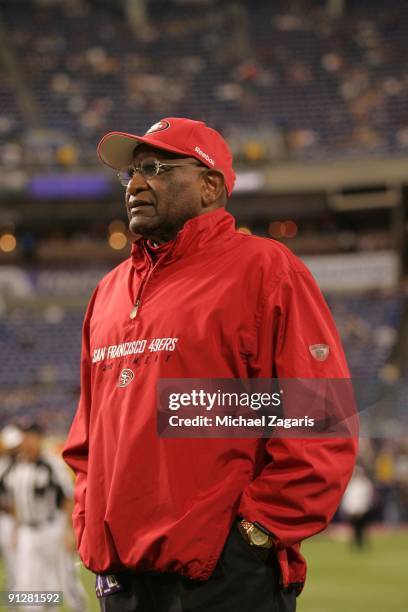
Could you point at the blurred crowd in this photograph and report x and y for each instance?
(385, 462)
(378, 490)
(289, 80)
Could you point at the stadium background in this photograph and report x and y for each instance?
(313, 99)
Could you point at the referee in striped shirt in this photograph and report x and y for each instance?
(41, 491)
(11, 438)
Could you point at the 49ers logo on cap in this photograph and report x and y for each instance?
(125, 377)
(158, 127)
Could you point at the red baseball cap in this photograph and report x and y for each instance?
(175, 134)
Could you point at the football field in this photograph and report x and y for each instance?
(344, 580)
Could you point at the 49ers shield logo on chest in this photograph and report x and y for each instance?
(125, 377)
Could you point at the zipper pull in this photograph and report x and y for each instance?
(134, 310)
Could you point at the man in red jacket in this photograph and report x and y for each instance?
(197, 525)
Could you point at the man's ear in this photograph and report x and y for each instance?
(213, 189)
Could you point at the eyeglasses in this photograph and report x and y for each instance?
(148, 168)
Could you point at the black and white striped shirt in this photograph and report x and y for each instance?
(37, 489)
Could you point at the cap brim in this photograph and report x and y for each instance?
(116, 149)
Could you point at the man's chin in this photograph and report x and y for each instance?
(143, 227)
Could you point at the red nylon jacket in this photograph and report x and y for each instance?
(216, 303)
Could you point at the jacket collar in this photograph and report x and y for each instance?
(196, 234)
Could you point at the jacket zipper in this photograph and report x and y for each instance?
(133, 312)
(137, 304)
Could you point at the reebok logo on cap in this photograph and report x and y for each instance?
(204, 155)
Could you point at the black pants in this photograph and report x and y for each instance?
(359, 525)
(242, 581)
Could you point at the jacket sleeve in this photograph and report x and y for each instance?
(300, 486)
(75, 451)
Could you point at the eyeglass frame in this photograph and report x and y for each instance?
(159, 167)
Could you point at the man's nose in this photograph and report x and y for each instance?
(137, 183)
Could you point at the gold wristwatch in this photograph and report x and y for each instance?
(254, 535)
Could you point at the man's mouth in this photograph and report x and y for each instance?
(135, 205)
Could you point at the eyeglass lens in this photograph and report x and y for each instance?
(148, 169)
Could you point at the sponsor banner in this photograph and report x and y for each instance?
(285, 408)
(355, 271)
(68, 186)
(17, 282)
(67, 282)
(249, 181)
